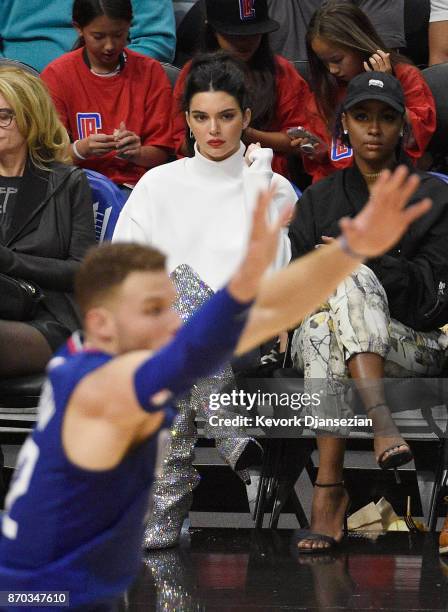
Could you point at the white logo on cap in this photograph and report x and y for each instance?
(376, 83)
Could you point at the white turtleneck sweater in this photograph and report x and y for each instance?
(198, 212)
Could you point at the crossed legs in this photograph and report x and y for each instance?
(351, 336)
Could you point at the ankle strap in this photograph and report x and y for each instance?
(382, 405)
(329, 484)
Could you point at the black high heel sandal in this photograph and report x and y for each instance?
(390, 460)
(312, 536)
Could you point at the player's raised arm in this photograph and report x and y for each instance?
(286, 297)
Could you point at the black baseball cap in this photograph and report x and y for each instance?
(240, 17)
(375, 86)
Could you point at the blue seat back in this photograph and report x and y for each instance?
(441, 176)
(296, 189)
(108, 201)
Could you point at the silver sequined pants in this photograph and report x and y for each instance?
(172, 491)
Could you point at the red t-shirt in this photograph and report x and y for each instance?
(140, 95)
(421, 112)
(291, 109)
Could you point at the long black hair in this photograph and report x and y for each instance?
(85, 11)
(344, 25)
(261, 76)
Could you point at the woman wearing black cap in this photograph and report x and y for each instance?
(279, 94)
(384, 319)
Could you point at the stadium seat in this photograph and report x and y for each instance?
(303, 68)
(181, 9)
(189, 31)
(441, 176)
(172, 72)
(108, 200)
(416, 21)
(437, 78)
(16, 64)
(296, 189)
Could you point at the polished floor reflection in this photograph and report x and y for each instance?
(245, 570)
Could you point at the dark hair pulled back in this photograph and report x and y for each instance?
(85, 11)
(218, 71)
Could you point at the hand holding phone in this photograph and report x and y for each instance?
(312, 145)
(128, 143)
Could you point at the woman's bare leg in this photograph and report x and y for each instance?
(329, 503)
(367, 370)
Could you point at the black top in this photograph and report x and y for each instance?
(414, 273)
(9, 187)
(51, 228)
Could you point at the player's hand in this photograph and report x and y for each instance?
(95, 145)
(127, 143)
(384, 219)
(380, 62)
(261, 249)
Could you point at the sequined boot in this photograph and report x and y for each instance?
(173, 488)
(174, 581)
(172, 493)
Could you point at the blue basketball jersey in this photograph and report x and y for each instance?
(70, 529)
(64, 524)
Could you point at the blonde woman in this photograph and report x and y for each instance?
(46, 220)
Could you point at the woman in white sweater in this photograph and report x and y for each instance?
(198, 211)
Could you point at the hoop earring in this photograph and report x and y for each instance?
(191, 134)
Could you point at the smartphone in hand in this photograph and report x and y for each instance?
(314, 145)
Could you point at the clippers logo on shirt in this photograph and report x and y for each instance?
(340, 151)
(247, 9)
(88, 124)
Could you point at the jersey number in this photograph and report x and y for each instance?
(28, 456)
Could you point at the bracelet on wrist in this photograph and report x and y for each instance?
(76, 152)
(343, 243)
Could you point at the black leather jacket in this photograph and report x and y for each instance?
(51, 229)
(414, 273)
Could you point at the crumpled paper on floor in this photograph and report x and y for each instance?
(376, 519)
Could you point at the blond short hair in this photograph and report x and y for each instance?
(35, 116)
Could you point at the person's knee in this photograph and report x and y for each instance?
(360, 287)
(314, 329)
(23, 349)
